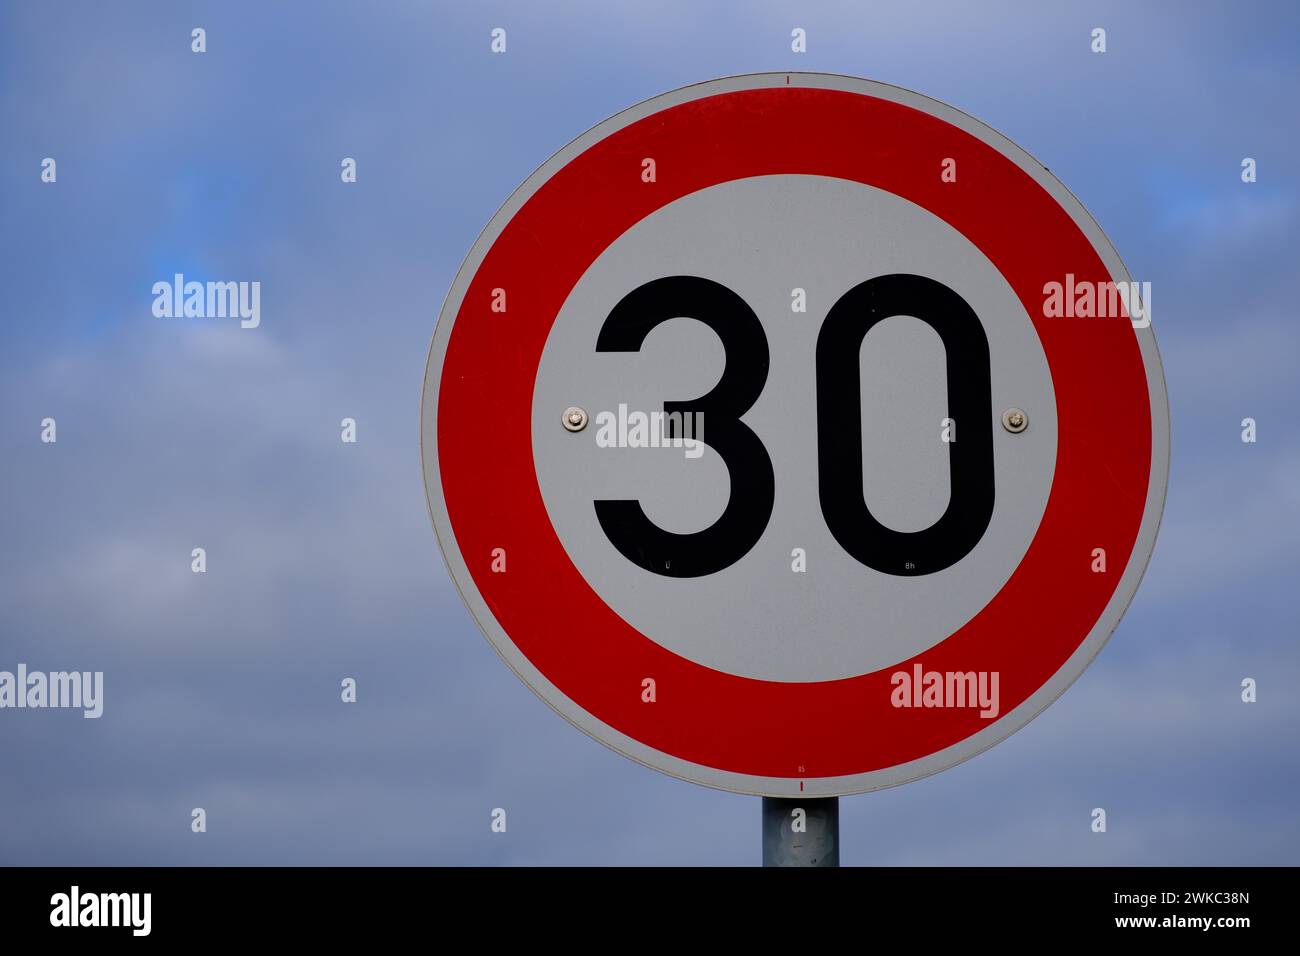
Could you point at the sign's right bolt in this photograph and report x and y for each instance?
(1015, 421)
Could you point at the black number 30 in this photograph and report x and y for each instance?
(839, 426)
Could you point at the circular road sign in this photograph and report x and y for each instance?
(795, 434)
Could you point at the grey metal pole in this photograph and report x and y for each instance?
(801, 832)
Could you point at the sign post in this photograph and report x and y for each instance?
(759, 445)
(801, 832)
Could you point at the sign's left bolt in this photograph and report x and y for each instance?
(575, 418)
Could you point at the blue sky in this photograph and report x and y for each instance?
(222, 689)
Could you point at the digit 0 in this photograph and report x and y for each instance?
(839, 425)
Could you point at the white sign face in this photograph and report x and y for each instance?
(756, 617)
(770, 460)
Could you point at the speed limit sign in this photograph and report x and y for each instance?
(795, 434)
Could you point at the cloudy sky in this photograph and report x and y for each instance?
(222, 688)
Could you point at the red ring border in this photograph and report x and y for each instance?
(708, 717)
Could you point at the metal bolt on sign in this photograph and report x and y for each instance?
(575, 418)
(1015, 420)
